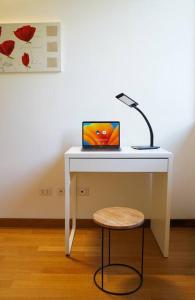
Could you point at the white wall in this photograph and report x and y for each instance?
(145, 48)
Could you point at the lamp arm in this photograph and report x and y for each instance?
(149, 126)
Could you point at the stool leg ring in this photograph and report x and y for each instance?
(139, 273)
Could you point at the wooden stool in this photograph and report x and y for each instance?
(118, 218)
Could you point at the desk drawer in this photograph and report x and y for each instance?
(118, 165)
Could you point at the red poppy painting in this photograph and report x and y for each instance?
(26, 60)
(25, 33)
(7, 47)
(30, 47)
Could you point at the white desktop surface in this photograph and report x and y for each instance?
(129, 160)
(126, 152)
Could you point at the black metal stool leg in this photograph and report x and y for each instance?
(109, 246)
(142, 259)
(102, 258)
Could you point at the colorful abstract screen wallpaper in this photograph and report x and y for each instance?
(101, 134)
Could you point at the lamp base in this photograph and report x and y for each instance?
(145, 147)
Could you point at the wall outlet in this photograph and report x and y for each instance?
(60, 191)
(45, 192)
(83, 191)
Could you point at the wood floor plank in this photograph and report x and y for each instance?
(33, 265)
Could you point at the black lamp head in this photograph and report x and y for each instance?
(126, 100)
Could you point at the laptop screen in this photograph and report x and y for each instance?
(101, 134)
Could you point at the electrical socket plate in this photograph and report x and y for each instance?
(60, 191)
(45, 191)
(83, 191)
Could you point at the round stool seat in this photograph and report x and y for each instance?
(118, 218)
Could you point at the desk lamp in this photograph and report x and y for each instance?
(131, 103)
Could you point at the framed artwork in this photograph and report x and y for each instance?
(30, 47)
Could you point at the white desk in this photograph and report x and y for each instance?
(158, 162)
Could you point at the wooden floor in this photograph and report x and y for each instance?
(33, 265)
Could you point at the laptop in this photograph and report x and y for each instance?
(100, 135)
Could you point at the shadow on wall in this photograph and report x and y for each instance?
(23, 196)
(184, 178)
(114, 189)
(21, 185)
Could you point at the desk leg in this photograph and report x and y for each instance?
(67, 207)
(160, 219)
(70, 205)
(73, 197)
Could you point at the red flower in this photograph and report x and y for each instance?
(7, 47)
(25, 59)
(25, 33)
